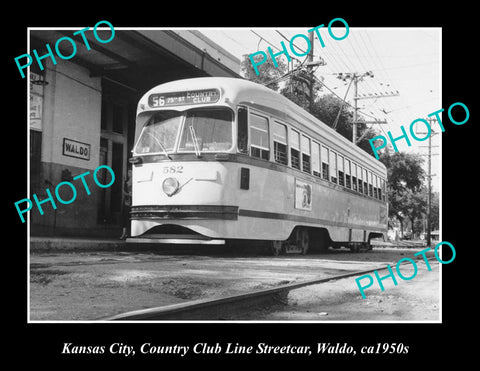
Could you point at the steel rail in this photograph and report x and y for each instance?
(198, 308)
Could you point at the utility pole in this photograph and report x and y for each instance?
(310, 70)
(356, 77)
(429, 207)
(355, 114)
(430, 175)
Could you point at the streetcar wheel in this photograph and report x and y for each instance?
(276, 247)
(365, 247)
(355, 248)
(303, 240)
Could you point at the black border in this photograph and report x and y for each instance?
(431, 344)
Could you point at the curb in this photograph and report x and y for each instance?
(46, 244)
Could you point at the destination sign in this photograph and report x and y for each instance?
(184, 97)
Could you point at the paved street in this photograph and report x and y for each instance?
(89, 286)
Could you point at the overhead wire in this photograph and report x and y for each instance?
(336, 63)
(371, 88)
(323, 83)
(379, 62)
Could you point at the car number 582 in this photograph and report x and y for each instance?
(173, 169)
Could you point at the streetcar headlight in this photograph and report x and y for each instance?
(170, 186)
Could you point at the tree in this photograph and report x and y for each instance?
(421, 224)
(267, 71)
(297, 89)
(327, 107)
(415, 206)
(435, 211)
(405, 179)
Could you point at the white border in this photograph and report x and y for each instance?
(29, 29)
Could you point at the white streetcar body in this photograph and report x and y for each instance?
(244, 162)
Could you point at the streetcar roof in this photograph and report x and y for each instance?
(235, 91)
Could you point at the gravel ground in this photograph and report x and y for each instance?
(414, 300)
(89, 286)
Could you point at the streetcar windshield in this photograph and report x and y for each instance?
(160, 133)
(203, 130)
(207, 131)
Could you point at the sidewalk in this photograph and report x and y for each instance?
(68, 244)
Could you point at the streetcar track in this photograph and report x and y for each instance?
(203, 309)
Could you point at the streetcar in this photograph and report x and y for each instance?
(225, 160)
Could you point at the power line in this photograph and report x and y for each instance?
(347, 66)
(296, 47)
(272, 45)
(348, 104)
(322, 83)
(378, 61)
(262, 38)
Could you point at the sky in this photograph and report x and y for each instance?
(407, 60)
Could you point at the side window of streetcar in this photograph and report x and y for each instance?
(341, 173)
(242, 137)
(370, 184)
(306, 166)
(333, 167)
(379, 189)
(360, 179)
(259, 145)
(316, 159)
(279, 133)
(365, 182)
(325, 163)
(295, 149)
(354, 176)
(384, 191)
(347, 174)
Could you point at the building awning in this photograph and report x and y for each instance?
(142, 58)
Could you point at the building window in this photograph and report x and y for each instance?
(36, 99)
(295, 149)
(325, 163)
(260, 146)
(279, 132)
(306, 166)
(316, 159)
